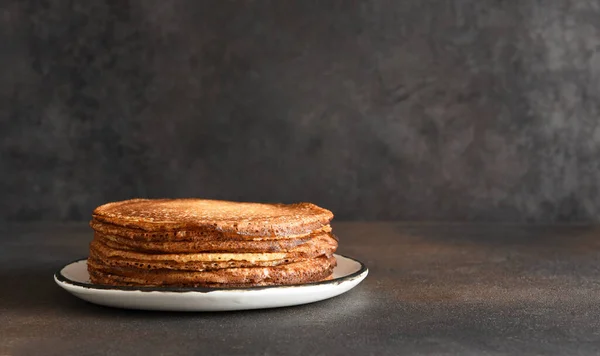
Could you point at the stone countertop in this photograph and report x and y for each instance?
(432, 289)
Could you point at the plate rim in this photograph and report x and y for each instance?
(59, 277)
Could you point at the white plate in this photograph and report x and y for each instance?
(75, 279)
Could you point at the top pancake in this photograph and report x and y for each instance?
(256, 219)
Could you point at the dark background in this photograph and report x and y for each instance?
(416, 109)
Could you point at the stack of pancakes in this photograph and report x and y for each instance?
(209, 243)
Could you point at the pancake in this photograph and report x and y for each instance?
(256, 219)
(310, 270)
(195, 242)
(111, 256)
(200, 246)
(118, 242)
(190, 235)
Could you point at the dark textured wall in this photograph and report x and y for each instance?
(416, 109)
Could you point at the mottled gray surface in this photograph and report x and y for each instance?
(481, 110)
(431, 290)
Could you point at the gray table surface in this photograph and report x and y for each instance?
(433, 289)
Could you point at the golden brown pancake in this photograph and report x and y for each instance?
(195, 242)
(190, 235)
(256, 219)
(323, 245)
(309, 270)
(207, 245)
